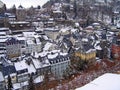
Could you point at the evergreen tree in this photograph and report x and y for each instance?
(10, 86)
(75, 9)
(4, 7)
(31, 10)
(38, 7)
(81, 65)
(14, 9)
(31, 83)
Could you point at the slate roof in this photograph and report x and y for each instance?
(68, 42)
(6, 70)
(58, 59)
(12, 40)
(87, 47)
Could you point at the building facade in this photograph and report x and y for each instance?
(59, 64)
(13, 47)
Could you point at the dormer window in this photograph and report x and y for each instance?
(13, 25)
(28, 24)
(21, 25)
(52, 62)
(68, 58)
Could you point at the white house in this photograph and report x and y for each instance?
(59, 62)
(22, 71)
(13, 47)
(41, 64)
(33, 42)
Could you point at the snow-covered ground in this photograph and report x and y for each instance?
(107, 81)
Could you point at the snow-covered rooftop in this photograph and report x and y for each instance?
(107, 81)
(21, 65)
(20, 22)
(64, 29)
(57, 11)
(98, 47)
(2, 33)
(90, 50)
(73, 30)
(30, 42)
(95, 24)
(45, 37)
(4, 29)
(31, 68)
(38, 79)
(39, 64)
(51, 56)
(1, 77)
(29, 34)
(3, 40)
(18, 86)
(63, 54)
(21, 38)
(85, 40)
(47, 46)
(42, 54)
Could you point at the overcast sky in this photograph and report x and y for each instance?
(24, 3)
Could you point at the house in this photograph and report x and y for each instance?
(21, 13)
(86, 52)
(6, 30)
(58, 62)
(49, 23)
(22, 71)
(64, 31)
(99, 51)
(41, 63)
(22, 41)
(30, 46)
(97, 26)
(21, 86)
(65, 43)
(2, 82)
(33, 42)
(39, 42)
(11, 17)
(28, 63)
(13, 47)
(8, 69)
(52, 33)
(116, 47)
(19, 26)
(2, 16)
